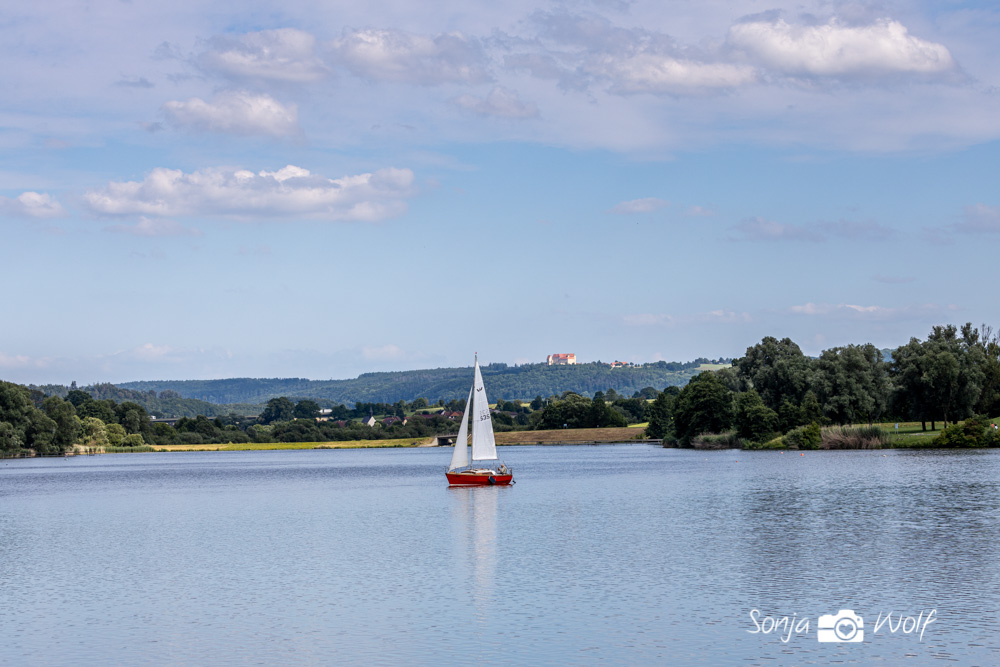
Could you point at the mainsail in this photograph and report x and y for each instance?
(484, 447)
(460, 457)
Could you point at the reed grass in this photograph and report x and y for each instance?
(855, 437)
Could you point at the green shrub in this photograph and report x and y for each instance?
(973, 432)
(804, 437)
(773, 443)
(728, 440)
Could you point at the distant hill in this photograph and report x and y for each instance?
(166, 404)
(507, 382)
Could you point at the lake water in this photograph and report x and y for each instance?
(625, 554)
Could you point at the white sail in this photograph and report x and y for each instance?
(460, 457)
(484, 447)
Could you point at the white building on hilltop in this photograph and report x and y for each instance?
(561, 359)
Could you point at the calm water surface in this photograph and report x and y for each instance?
(615, 554)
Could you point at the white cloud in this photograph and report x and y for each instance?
(695, 211)
(580, 49)
(235, 112)
(291, 191)
(761, 229)
(285, 54)
(837, 49)
(382, 353)
(980, 219)
(32, 205)
(645, 205)
(150, 351)
(394, 55)
(827, 308)
(21, 361)
(154, 227)
(501, 102)
(880, 313)
(719, 316)
(664, 74)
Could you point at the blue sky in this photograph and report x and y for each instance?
(279, 189)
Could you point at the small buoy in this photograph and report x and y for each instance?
(492, 480)
(802, 454)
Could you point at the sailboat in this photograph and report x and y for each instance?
(483, 469)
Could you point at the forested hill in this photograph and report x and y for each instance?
(503, 381)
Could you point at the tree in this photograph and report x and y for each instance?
(77, 397)
(705, 405)
(40, 434)
(913, 391)
(67, 424)
(753, 420)
(133, 440)
(852, 383)
(940, 378)
(660, 416)
(131, 416)
(989, 397)
(102, 409)
(537, 403)
(116, 434)
(776, 369)
(15, 409)
(10, 439)
(277, 410)
(570, 411)
(95, 433)
(306, 409)
(603, 415)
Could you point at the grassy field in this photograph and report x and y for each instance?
(712, 367)
(563, 436)
(910, 435)
(568, 436)
(256, 446)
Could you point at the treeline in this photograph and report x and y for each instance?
(776, 391)
(508, 382)
(284, 421)
(30, 421)
(166, 403)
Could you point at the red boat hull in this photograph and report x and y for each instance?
(478, 479)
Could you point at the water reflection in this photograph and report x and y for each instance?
(615, 555)
(474, 531)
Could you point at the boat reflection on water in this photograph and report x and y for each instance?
(474, 530)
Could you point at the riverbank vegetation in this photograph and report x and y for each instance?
(772, 397)
(776, 397)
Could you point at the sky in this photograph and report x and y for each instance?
(195, 190)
